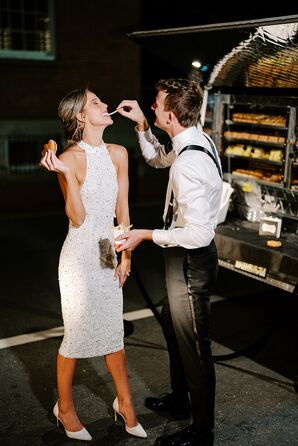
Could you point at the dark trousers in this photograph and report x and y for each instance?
(190, 277)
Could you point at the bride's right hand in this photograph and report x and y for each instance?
(50, 161)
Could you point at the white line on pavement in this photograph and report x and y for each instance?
(58, 331)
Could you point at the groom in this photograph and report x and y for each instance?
(191, 264)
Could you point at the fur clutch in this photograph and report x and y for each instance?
(108, 257)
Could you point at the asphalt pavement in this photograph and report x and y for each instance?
(256, 402)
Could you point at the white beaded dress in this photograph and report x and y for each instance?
(91, 300)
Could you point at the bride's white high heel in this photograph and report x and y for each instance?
(83, 434)
(137, 430)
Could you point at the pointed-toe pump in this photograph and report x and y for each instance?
(83, 434)
(137, 430)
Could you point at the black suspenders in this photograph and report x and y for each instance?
(169, 215)
(202, 149)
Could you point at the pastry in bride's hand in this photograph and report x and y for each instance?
(51, 145)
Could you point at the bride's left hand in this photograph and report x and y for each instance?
(123, 271)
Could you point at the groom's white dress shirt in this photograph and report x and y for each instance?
(196, 184)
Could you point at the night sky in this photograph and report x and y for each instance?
(160, 15)
(157, 14)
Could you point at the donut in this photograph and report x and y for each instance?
(274, 243)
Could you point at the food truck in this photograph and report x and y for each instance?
(249, 74)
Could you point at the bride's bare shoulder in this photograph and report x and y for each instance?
(117, 150)
(72, 154)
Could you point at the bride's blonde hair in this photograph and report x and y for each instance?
(68, 109)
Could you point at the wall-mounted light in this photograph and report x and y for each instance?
(196, 64)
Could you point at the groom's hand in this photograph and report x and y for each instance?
(131, 109)
(133, 239)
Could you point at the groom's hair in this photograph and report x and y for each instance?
(184, 99)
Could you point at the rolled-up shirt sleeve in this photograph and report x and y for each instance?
(191, 196)
(153, 152)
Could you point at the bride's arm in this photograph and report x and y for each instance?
(120, 159)
(64, 166)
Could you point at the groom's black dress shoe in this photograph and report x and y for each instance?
(166, 405)
(187, 437)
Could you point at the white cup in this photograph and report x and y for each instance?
(118, 232)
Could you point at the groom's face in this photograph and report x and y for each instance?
(160, 114)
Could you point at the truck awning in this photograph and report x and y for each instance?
(255, 53)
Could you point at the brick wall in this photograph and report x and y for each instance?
(91, 48)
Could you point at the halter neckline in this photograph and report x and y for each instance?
(85, 146)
